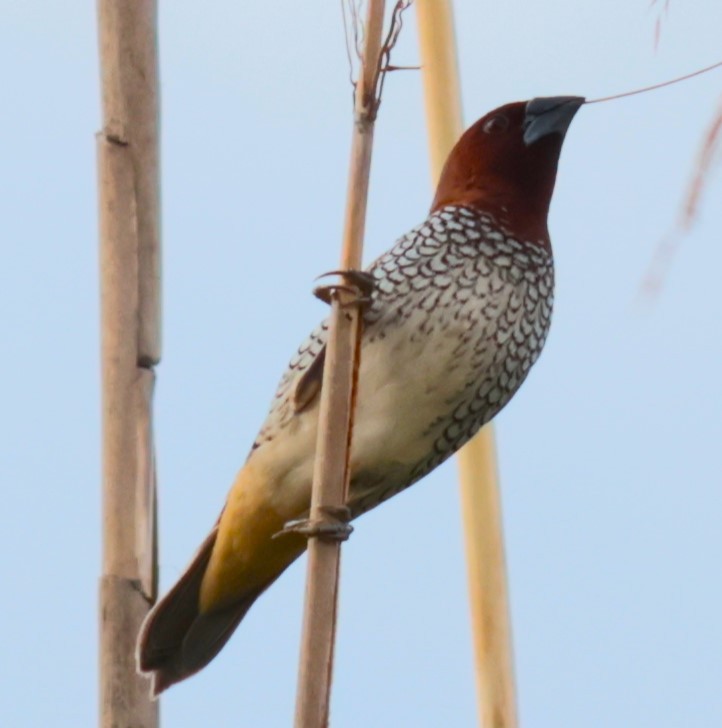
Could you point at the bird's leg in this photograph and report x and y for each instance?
(337, 529)
(361, 287)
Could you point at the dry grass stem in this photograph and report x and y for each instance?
(330, 479)
(480, 497)
(130, 320)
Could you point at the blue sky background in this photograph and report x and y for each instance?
(610, 456)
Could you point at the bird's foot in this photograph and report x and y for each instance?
(336, 529)
(357, 283)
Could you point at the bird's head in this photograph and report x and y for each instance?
(506, 163)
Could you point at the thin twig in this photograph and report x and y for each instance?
(656, 86)
(397, 23)
(705, 160)
(347, 41)
(662, 13)
(384, 66)
(668, 245)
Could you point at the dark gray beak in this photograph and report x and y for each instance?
(549, 115)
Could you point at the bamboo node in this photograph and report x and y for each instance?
(115, 133)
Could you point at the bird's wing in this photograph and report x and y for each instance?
(300, 385)
(308, 384)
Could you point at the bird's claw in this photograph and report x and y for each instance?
(363, 280)
(328, 293)
(338, 529)
(358, 284)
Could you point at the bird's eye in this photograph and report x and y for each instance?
(496, 124)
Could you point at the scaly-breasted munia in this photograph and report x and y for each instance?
(458, 313)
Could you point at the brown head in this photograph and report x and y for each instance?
(506, 164)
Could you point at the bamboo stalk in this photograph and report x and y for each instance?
(480, 499)
(128, 197)
(486, 566)
(330, 478)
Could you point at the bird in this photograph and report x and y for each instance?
(457, 312)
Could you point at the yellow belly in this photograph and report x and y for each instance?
(246, 557)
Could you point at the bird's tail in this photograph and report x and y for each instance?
(176, 640)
